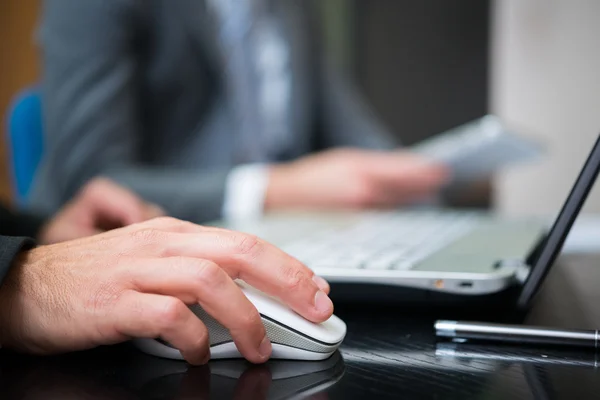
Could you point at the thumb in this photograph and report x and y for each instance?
(409, 169)
(153, 211)
(109, 201)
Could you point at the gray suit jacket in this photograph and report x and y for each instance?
(132, 91)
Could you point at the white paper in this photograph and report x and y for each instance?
(478, 149)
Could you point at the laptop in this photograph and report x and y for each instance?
(426, 250)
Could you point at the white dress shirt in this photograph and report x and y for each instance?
(245, 192)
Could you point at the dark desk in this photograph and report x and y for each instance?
(389, 353)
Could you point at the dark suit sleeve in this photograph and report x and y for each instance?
(13, 224)
(93, 115)
(21, 228)
(10, 247)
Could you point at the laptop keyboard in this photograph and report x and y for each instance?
(383, 241)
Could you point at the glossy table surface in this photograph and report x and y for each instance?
(389, 353)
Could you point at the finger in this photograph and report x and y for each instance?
(203, 282)
(142, 315)
(168, 224)
(407, 169)
(406, 185)
(256, 262)
(114, 203)
(242, 256)
(146, 237)
(417, 180)
(152, 211)
(393, 196)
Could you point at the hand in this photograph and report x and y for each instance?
(100, 206)
(138, 282)
(353, 179)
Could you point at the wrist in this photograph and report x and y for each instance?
(279, 193)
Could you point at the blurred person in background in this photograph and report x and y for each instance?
(212, 109)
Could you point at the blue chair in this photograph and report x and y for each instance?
(25, 141)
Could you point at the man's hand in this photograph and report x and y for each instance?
(138, 281)
(100, 206)
(353, 179)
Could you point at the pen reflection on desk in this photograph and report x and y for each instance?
(516, 355)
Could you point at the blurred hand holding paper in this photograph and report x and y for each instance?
(478, 149)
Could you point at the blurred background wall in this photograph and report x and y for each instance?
(423, 64)
(18, 66)
(546, 79)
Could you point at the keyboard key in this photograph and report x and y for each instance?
(383, 261)
(403, 265)
(396, 240)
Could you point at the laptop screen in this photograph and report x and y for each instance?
(545, 255)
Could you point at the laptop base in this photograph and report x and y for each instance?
(357, 294)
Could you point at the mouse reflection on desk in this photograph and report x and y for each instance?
(239, 379)
(96, 376)
(292, 336)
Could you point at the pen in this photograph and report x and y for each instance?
(516, 333)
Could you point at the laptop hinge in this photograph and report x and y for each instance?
(522, 269)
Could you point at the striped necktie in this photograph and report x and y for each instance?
(257, 78)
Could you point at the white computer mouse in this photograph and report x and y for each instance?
(292, 336)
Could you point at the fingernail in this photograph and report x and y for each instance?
(321, 283)
(202, 360)
(265, 347)
(323, 303)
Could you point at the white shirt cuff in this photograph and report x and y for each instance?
(245, 192)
